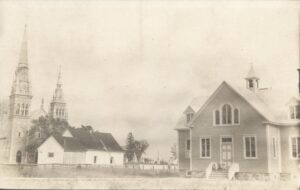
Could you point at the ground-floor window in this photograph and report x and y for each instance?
(50, 154)
(295, 147)
(250, 148)
(95, 159)
(204, 147)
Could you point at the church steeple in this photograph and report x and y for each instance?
(23, 60)
(19, 106)
(58, 104)
(252, 80)
(21, 83)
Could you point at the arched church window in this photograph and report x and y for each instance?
(236, 116)
(26, 109)
(18, 109)
(217, 117)
(22, 109)
(226, 114)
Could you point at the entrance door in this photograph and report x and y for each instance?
(226, 152)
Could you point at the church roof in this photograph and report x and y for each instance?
(83, 139)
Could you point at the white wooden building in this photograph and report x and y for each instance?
(80, 146)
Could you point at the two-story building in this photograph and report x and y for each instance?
(249, 130)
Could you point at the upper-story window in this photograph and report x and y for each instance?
(26, 110)
(18, 109)
(295, 112)
(189, 117)
(226, 115)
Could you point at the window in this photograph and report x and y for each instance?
(226, 114)
(111, 160)
(250, 147)
(251, 84)
(188, 144)
(295, 147)
(189, 117)
(274, 147)
(217, 117)
(227, 139)
(50, 154)
(236, 116)
(204, 147)
(294, 111)
(95, 159)
(22, 110)
(62, 112)
(187, 148)
(18, 109)
(56, 112)
(19, 134)
(26, 110)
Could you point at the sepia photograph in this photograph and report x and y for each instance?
(150, 94)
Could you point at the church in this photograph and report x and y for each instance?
(240, 132)
(72, 146)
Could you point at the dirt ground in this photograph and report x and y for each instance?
(143, 183)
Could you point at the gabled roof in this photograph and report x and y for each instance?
(195, 104)
(245, 94)
(189, 110)
(264, 102)
(84, 140)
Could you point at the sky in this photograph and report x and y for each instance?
(134, 66)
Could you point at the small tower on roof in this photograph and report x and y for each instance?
(189, 112)
(58, 106)
(252, 80)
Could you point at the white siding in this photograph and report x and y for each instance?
(118, 158)
(50, 146)
(104, 157)
(74, 158)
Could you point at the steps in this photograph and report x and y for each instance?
(219, 174)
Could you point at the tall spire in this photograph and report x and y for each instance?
(21, 82)
(23, 61)
(59, 83)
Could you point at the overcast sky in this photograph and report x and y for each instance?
(135, 66)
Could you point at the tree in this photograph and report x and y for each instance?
(40, 130)
(130, 147)
(140, 148)
(174, 152)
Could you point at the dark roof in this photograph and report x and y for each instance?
(84, 139)
(108, 141)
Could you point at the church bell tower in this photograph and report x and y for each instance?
(19, 107)
(58, 106)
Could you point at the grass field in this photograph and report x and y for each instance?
(29, 177)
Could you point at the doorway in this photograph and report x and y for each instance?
(226, 152)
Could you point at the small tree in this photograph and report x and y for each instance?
(140, 148)
(130, 147)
